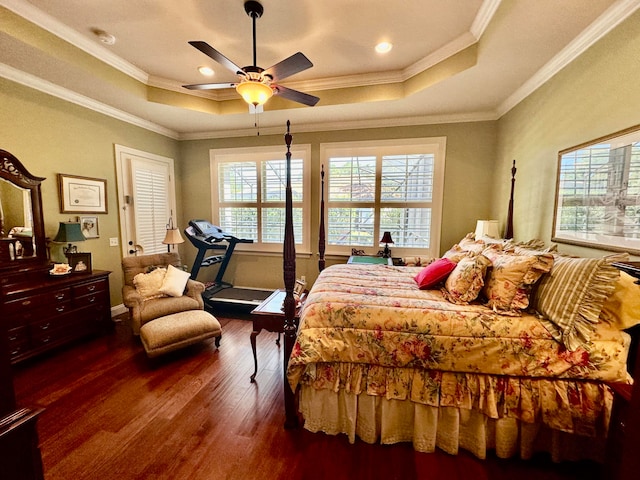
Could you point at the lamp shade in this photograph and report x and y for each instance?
(254, 92)
(487, 228)
(386, 238)
(69, 232)
(173, 237)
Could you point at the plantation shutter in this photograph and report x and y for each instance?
(151, 204)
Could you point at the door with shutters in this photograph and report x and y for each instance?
(146, 195)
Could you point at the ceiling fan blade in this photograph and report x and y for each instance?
(211, 52)
(210, 86)
(289, 66)
(295, 95)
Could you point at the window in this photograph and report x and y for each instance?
(249, 195)
(374, 187)
(598, 193)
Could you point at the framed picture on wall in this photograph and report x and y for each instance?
(89, 226)
(82, 194)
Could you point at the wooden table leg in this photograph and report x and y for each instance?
(254, 334)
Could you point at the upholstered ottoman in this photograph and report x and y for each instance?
(178, 330)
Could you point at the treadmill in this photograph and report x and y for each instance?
(205, 237)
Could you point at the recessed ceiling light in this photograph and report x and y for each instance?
(206, 71)
(104, 37)
(384, 47)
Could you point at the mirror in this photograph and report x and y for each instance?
(22, 239)
(598, 193)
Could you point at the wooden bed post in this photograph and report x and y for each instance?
(321, 239)
(289, 268)
(509, 230)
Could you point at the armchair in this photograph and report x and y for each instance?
(142, 310)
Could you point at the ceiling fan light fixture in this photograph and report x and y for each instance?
(254, 93)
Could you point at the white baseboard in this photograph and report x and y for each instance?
(118, 310)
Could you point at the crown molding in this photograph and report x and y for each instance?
(45, 21)
(348, 125)
(483, 18)
(611, 18)
(49, 88)
(57, 28)
(65, 94)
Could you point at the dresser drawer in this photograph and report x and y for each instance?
(18, 341)
(90, 288)
(50, 298)
(51, 330)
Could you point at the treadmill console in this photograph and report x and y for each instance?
(205, 231)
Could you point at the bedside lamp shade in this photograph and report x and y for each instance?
(386, 239)
(69, 232)
(487, 228)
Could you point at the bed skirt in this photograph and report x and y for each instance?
(376, 419)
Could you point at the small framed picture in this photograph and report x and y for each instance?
(89, 226)
(80, 262)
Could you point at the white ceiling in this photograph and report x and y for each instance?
(510, 48)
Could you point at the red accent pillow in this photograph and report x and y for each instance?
(434, 273)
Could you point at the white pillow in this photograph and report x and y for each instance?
(148, 284)
(174, 282)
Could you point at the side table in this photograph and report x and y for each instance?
(270, 317)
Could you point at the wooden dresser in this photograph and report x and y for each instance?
(41, 312)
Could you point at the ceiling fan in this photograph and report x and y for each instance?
(256, 84)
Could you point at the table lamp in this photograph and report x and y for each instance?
(487, 228)
(69, 232)
(386, 239)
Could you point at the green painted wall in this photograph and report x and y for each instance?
(468, 178)
(596, 95)
(51, 136)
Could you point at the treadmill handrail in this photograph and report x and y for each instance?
(211, 240)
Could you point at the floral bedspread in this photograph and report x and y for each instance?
(368, 328)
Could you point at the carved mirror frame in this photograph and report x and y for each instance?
(13, 171)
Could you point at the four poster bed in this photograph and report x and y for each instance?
(495, 346)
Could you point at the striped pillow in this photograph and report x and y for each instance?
(571, 296)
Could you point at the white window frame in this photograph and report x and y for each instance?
(260, 154)
(433, 145)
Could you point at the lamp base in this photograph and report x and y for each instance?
(70, 249)
(386, 253)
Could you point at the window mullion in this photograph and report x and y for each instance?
(376, 201)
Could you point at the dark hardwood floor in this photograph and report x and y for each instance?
(111, 413)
